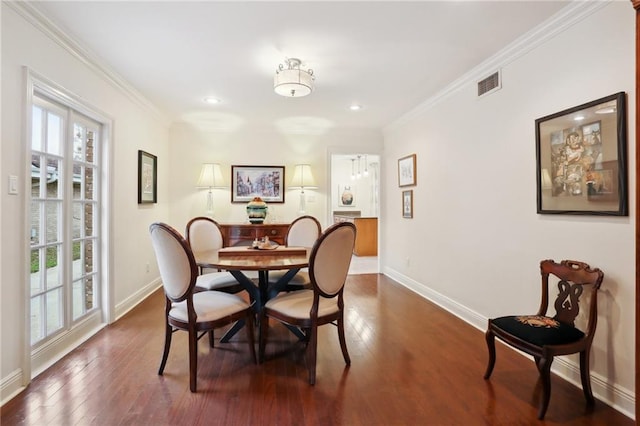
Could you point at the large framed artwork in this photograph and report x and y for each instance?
(582, 159)
(266, 182)
(147, 178)
(407, 170)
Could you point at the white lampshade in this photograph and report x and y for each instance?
(303, 177)
(210, 176)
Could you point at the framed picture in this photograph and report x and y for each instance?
(147, 178)
(266, 182)
(346, 195)
(407, 170)
(407, 204)
(582, 159)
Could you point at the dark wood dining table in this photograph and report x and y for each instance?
(238, 260)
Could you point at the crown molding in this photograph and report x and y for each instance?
(558, 23)
(36, 18)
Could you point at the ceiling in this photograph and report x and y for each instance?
(386, 56)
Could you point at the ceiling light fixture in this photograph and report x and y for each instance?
(211, 100)
(355, 107)
(291, 80)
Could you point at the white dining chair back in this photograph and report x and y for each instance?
(303, 232)
(204, 234)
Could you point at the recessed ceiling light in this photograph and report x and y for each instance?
(355, 107)
(212, 100)
(579, 117)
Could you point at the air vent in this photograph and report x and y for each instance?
(489, 84)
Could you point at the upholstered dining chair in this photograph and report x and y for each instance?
(303, 232)
(545, 337)
(324, 303)
(197, 313)
(204, 234)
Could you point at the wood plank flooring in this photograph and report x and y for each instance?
(412, 364)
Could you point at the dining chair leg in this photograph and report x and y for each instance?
(193, 359)
(211, 339)
(491, 346)
(312, 349)
(585, 377)
(167, 345)
(343, 341)
(545, 374)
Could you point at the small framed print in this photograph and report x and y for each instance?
(407, 204)
(407, 170)
(147, 178)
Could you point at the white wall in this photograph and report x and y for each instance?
(135, 128)
(193, 145)
(475, 242)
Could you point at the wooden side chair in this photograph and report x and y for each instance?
(203, 234)
(545, 337)
(323, 304)
(303, 232)
(197, 313)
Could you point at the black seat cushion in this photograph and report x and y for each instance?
(539, 330)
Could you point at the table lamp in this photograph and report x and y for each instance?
(302, 179)
(210, 177)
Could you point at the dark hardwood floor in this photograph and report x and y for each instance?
(412, 364)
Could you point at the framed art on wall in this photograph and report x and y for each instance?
(581, 159)
(407, 170)
(407, 204)
(266, 182)
(346, 195)
(147, 178)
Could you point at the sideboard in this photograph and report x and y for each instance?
(235, 234)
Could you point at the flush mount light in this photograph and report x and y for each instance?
(291, 80)
(355, 107)
(212, 100)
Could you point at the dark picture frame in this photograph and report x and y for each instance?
(407, 204)
(266, 182)
(147, 178)
(581, 159)
(407, 170)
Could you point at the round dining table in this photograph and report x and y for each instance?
(238, 260)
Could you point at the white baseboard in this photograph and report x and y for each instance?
(11, 386)
(617, 397)
(137, 297)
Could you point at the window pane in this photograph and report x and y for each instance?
(89, 219)
(78, 142)
(37, 313)
(76, 226)
(36, 176)
(54, 133)
(54, 310)
(88, 183)
(88, 293)
(36, 128)
(54, 186)
(36, 276)
(77, 302)
(77, 262)
(53, 221)
(77, 181)
(36, 211)
(91, 136)
(88, 256)
(54, 270)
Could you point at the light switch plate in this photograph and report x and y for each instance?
(13, 185)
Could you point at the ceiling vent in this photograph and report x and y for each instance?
(489, 84)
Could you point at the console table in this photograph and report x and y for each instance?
(242, 234)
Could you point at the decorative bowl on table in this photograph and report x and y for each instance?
(257, 210)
